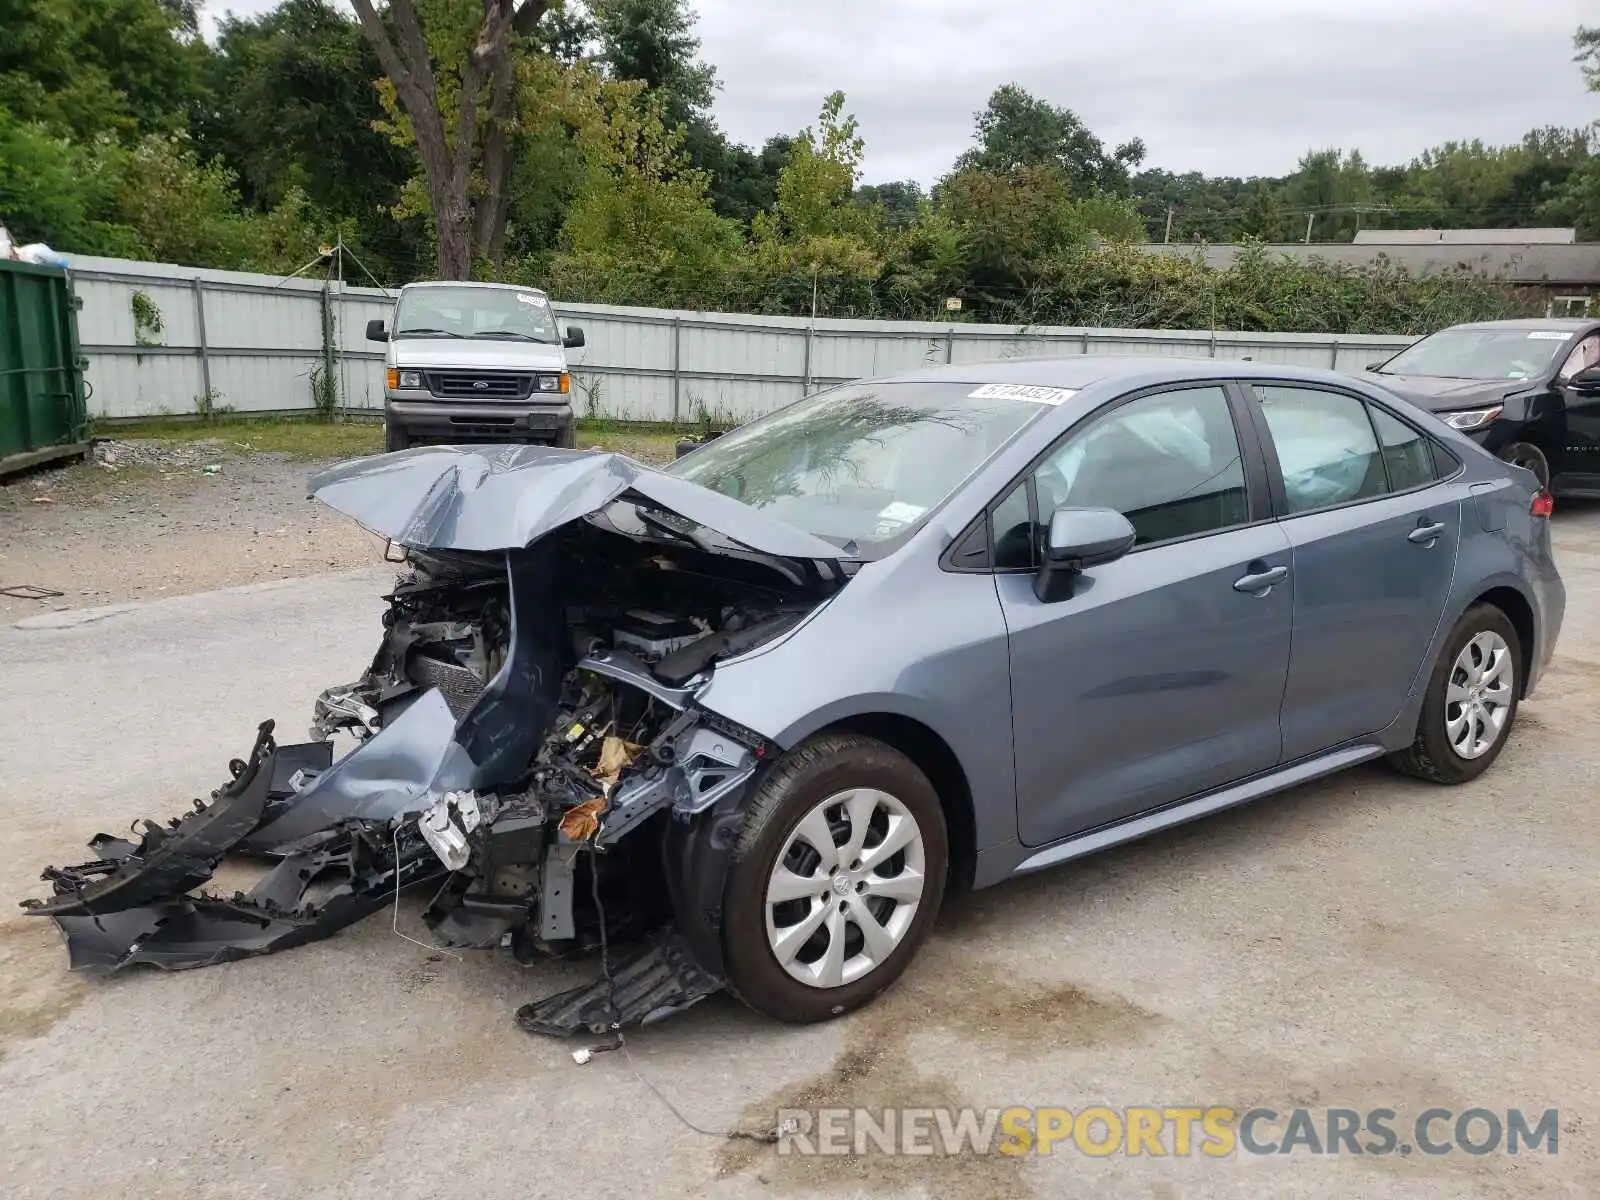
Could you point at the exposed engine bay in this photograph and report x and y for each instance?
(525, 748)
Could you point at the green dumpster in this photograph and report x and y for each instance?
(42, 411)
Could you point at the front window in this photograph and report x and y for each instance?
(863, 464)
(1584, 355)
(1169, 462)
(1480, 354)
(504, 314)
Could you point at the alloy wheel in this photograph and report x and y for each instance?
(1478, 695)
(845, 888)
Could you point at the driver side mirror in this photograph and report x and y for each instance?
(1079, 538)
(376, 332)
(573, 339)
(1586, 380)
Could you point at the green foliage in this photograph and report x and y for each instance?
(85, 68)
(642, 214)
(147, 323)
(304, 72)
(185, 210)
(123, 133)
(1122, 286)
(1017, 130)
(63, 192)
(1587, 44)
(815, 224)
(324, 393)
(653, 42)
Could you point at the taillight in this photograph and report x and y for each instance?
(1543, 504)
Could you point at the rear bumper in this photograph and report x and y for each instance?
(458, 419)
(1550, 597)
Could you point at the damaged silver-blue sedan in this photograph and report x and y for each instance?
(739, 722)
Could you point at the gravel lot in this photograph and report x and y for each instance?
(151, 522)
(1363, 941)
(145, 519)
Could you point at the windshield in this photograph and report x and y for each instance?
(863, 464)
(505, 314)
(1480, 354)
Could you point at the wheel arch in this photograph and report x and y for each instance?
(935, 759)
(1520, 613)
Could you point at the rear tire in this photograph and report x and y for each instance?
(1529, 456)
(885, 828)
(395, 437)
(1471, 703)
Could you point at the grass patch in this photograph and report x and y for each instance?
(305, 439)
(296, 438)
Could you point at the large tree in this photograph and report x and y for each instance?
(305, 71)
(1016, 129)
(120, 67)
(457, 90)
(653, 41)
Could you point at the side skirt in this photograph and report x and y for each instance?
(1095, 840)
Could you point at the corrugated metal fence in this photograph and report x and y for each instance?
(163, 339)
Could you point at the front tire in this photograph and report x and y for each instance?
(837, 878)
(1471, 703)
(1529, 457)
(395, 437)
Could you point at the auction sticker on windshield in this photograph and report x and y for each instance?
(1022, 391)
(1549, 335)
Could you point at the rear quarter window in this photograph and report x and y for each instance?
(1407, 454)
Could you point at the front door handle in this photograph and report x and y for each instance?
(1424, 535)
(1261, 580)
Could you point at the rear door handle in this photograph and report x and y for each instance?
(1261, 580)
(1423, 534)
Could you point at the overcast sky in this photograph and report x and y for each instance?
(1237, 87)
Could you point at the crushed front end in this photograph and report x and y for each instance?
(526, 742)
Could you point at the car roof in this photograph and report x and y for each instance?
(1081, 371)
(469, 283)
(1568, 324)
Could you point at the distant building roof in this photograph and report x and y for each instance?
(1536, 264)
(1467, 237)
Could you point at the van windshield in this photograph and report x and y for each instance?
(505, 314)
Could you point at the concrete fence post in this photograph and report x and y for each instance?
(677, 364)
(200, 332)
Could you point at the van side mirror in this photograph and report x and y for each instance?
(574, 337)
(1079, 538)
(376, 332)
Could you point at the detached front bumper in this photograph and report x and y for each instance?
(518, 420)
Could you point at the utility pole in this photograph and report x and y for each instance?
(1167, 237)
(1310, 218)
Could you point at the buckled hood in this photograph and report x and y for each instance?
(507, 497)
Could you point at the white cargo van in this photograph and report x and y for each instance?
(473, 362)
